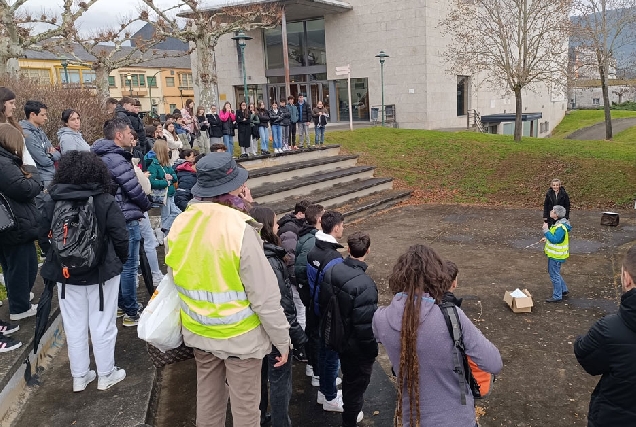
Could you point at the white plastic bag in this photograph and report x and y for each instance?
(160, 322)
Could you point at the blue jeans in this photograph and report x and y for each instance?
(127, 286)
(169, 212)
(329, 366)
(150, 245)
(320, 136)
(280, 389)
(263, 132)
(277, 136)
(558, 284)
(228, 140)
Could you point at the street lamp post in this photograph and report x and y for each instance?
(129, 78)
(382, 57)
(65, 66)
(241, 37)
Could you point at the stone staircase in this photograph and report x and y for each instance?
(321, 176)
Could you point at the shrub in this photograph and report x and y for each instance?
(57, 99)
(626, 106)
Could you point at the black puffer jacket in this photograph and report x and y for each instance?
(358, 301)
(111, 224)
(20, 192)
(263, 116)
(128, 192)
(288, 228)
(187, 177)
(552, 200)
(609, 349)
(275, 255)
(306, 242)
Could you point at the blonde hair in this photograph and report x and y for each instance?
(163, 153)
(11, 139)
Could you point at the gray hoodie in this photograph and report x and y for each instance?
(440, 402)
(71, 140)
(38, 145)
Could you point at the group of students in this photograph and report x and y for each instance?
(278, 124)
(253, 287)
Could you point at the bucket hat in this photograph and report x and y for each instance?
(218, 173)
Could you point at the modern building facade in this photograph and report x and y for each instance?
(419, 92)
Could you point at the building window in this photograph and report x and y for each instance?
(462, 95)
(596, 101)
(170, 82)
(305, 44)
(152, 81)
(359, 99)
(73, 76)
(186, 81)
(172, 107)
(41, 75)
(88, 78)
(136, 80)
(111, 81)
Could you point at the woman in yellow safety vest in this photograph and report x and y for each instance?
(557, 249)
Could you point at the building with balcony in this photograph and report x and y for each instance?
(324, 34)
(161, 83)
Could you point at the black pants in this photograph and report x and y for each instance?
(356, 375)
(292, 135)
(312, 347)
(20, 268)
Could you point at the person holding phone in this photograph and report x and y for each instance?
(228, 119)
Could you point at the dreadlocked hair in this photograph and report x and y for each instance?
(417, 272)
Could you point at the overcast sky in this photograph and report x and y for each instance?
(105, 13)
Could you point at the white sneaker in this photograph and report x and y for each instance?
(31, 296)
(360, 417)
(107, 381)
(30, 312)
(334, 405)
(338, 381)
(80, 383)
(309, 371)
(315, 381)
(321, 397)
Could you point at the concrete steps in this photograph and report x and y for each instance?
(320, 176)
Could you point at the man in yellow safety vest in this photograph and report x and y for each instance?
(230, 300)
(557, 248)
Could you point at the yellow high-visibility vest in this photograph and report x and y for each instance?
(558, 250)
(204, 248)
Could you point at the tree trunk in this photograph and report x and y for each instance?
(206, 78)
(606, 102)
(101, 80)
(518, 113)
(10, 51)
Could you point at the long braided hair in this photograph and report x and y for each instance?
(417, 272)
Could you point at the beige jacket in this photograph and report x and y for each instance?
(261, 287)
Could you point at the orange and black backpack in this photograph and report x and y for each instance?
(469, 374)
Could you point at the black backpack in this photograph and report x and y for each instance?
(75, 238)
(332, 326)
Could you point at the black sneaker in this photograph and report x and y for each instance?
(264, 153)
(551, 300)
(266, 419)
(8, 344)
(565, 294)
(7, 328)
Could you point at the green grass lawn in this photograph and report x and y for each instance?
(578, 119)
(468, 167)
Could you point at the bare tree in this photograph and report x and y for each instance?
(515, 44)
(110, 49)
(18, 29)
(204, 28)
(602, 27)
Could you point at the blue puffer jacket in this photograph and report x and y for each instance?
(131, 198)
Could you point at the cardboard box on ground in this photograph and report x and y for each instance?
(518, 303)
